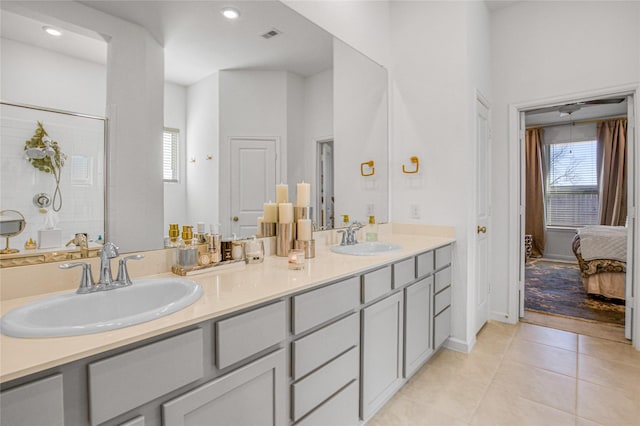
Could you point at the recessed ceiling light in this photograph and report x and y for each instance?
(52, 31)
(230, 13)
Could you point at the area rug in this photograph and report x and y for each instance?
(555, 287)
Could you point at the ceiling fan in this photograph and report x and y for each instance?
(575, 106)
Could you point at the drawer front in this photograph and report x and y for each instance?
(128, 380)
(443, 256)
(312, 351)
(138, 421)
(441, 327)
(443, 279)
(313, 390)
(246, 334)
(36, 403)
(442, 300)
(404, 272)
(315, 307)
(340, 410)
(376, 284)
(425, 264)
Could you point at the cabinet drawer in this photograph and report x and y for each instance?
(443, 256)
(404, 272)
(425, 264)
(319, 386)
(321, 305)
(442, 300)
(138, 421)
(340, 410)
(126, 381)
(36, 403)
(443, 279)
(312, 351)
(376, 284)
(441, 327)
(246, 334)
(251, 395)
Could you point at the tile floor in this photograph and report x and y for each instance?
(523, 375)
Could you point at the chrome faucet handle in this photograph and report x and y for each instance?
(344, 237)
(123, 273)
(86, 280)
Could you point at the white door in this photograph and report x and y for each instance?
(631, 219)
(254, 166)
(483, 212)
(521, 203)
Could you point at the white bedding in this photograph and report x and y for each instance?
(603, 242)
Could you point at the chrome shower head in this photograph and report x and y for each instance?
(35, 153)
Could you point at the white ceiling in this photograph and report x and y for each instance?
(198, 40)
(586, 112)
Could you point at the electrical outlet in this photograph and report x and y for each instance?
(415, 211)
(370, 210)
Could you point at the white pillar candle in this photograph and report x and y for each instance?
(282, 193)
(285, 213)
(270, 212)
(304, 194)
(304, 230)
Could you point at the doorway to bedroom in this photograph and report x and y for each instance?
(575, 185)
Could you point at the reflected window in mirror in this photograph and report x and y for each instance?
(170, 157)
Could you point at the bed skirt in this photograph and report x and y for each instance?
(607, 284)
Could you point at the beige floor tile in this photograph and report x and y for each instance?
(501, 407)
(575, 325)
(585, 422)
(610, 373)
(543, 356)
(606, 349)
(606, 405)
(543, 386)
(475, 365)
(405, 412)
(548, 336)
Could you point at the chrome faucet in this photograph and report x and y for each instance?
(106, 281)
(108, 252)
(349, 236)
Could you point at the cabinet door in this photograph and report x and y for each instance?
(382, 325)
(252, 395)
(417, 337)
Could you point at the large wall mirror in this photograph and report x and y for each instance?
(267, 96)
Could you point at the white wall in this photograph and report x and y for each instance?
(252, 103)
(545, 50)
(203, 129)
(318, 121)
(439, 59)
(175, 117)
(35, 76)
(295, 133)
(363, 24)
(360, 122)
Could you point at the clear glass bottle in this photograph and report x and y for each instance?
(372, 229)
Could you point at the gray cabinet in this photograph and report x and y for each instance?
(251, 395)
(417, 339)
(382, 336)
(36, 403)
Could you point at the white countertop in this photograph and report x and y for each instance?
(224, 292)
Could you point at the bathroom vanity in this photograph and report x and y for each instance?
(328, 345)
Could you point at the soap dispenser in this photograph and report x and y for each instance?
(187, 252)
(372, 229)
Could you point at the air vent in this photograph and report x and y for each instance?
(272, 33)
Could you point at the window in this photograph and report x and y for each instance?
(170, 155)
(572, 184)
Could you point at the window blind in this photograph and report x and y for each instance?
(170, 155)
(572, 197)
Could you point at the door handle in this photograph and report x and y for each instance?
(235, 218)
(482, 229)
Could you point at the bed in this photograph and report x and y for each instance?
(601, 252)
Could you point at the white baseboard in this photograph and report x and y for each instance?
(459, 345)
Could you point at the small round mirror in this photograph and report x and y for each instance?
(12, 223)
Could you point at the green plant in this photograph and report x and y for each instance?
(51, 162)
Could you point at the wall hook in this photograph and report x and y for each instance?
(193, 160)
(209, 157)
(415, 161)
(369, 163)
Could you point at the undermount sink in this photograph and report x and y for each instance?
(74, 314)
(369, 248)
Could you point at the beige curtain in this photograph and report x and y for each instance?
(612, 144)
(534, 216)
